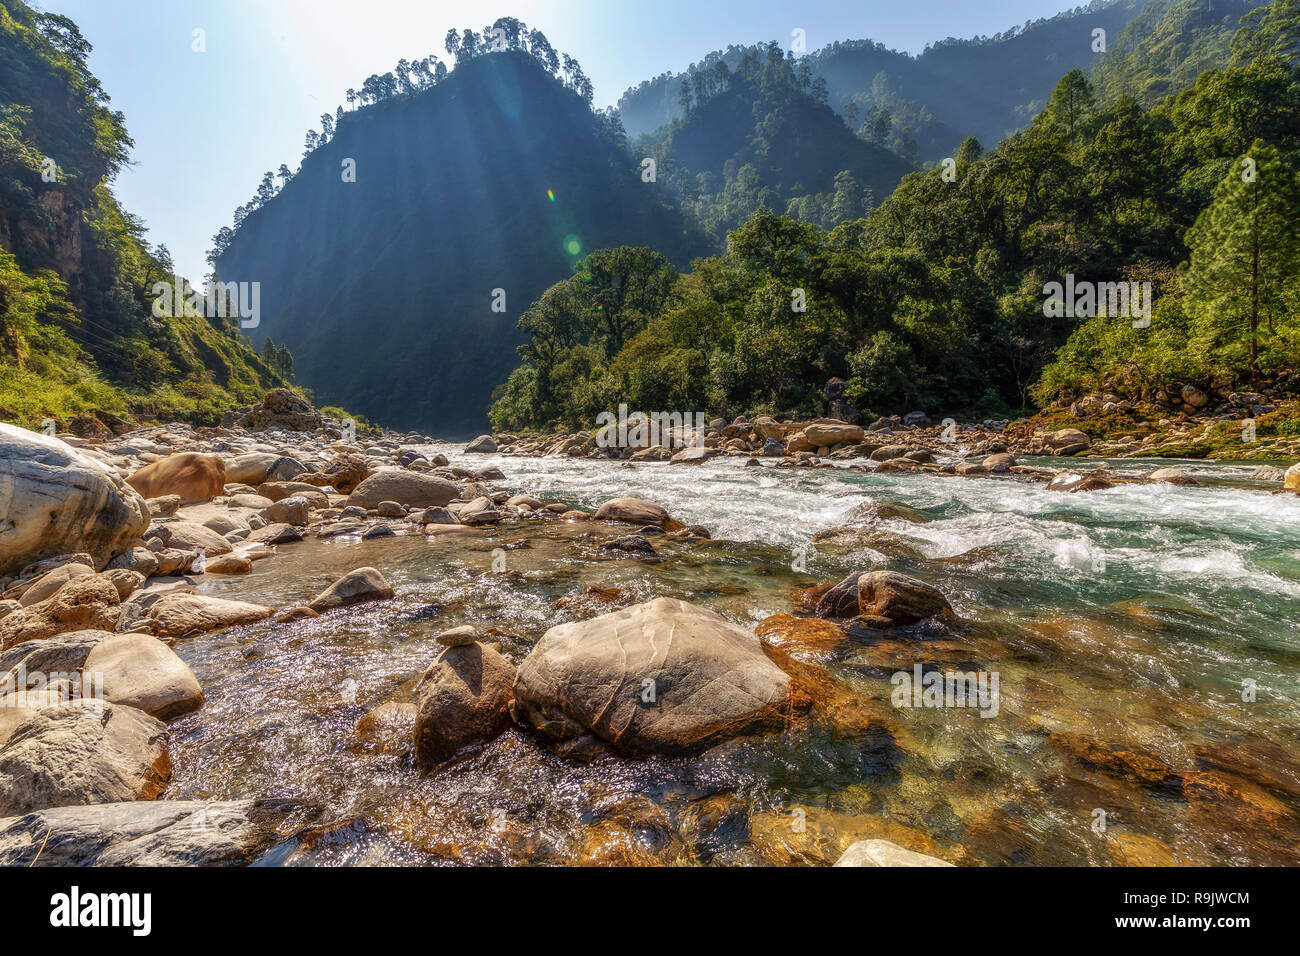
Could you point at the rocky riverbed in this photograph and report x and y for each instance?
(266, 643)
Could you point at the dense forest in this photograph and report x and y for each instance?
(77, 333)
(936, 299)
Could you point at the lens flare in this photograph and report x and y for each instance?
(551, 194)
(572, 245)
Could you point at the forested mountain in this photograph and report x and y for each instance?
(76, 274)
(987, 87)
(398, 288)
(938, 298)
(763, 136)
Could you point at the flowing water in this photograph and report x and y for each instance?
(1143, 640)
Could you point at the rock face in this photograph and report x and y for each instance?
(193, 476)
(462, 699)
(355, 587)
(902, 599)
(86, 603)
(81, 753)
(142, 672)
(636, 511)
(404, 487)
(659, 677)
(884, 853)
(55, 500)
(160, 833)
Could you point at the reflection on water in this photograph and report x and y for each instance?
(1123, 626)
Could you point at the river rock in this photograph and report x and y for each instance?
(461, 636)
(355, 587)
(405, 487)
(636, 511)
(127, 582)
(282, 409)
(1171, 476)
(136, 559)
(249, 469)
(155, 833)
(62, 654)
(191, 536)
(1291, 480)
(80, 753)
(142, 672)
(462, 699)
(164, 506)
(175, 615)
(1073, 482)
(660, 677)
(901, 599)
(825, 434)
(55, 500)
(193, 476)
(87, 603)
(484, 445)
(294, 510)
(51, 581)
(884, 853)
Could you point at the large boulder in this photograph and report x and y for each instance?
(635, 511)
(343, 474)
(156, 833)
(80, 753)
(355, 587)
(89, 603)
(193, 476)
(902, 599)
(175, 615)
(142, 672)
(659, 677)
(462, 699)
(405, 487)
(55, 500)
(483, 445)
(824, 434)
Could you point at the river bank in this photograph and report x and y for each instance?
(1123, 624)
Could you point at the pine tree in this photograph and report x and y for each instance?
(1245, 256)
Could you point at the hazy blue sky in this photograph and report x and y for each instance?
(206, 126)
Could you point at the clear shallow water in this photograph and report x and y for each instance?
(1122, 625)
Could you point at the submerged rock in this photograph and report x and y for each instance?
(462, 699)
(355, 587)
(175, 615)
(660, 677)
(884, 853)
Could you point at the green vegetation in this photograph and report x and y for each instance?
(936, 299)
(76, 274)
